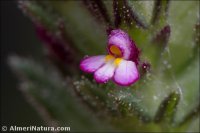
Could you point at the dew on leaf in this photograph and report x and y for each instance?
(137, 26)
(155, 98)
(174, 99)
(169, 66)
(165, 62)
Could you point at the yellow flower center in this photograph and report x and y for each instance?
(109, 57)
(115, 50)
(117, 61)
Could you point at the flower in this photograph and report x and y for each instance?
(120, 64)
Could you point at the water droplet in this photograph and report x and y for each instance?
(175, 99)
(155, 97)
(165, 62)
(169, 66)
(82, 77)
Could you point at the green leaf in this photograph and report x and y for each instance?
(88, 36)
(167, 108)
(92, 94)
(160, 11)
(143, 8)
(85, 37)
(126, 16)
(37, 13)
(98, 9)
(191, 115)
(55, 96)
(188, 83)
(173, 69)
(182, 22)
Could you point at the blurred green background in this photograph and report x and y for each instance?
(14, 26)
(18, 37)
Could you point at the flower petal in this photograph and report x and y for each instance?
(126, 73)
(120, 41)
(91, 64)
(103, 74)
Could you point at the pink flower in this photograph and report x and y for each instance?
(120, 64)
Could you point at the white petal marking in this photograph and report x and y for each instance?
(106, 72)
(91, 64)
(126, 73)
